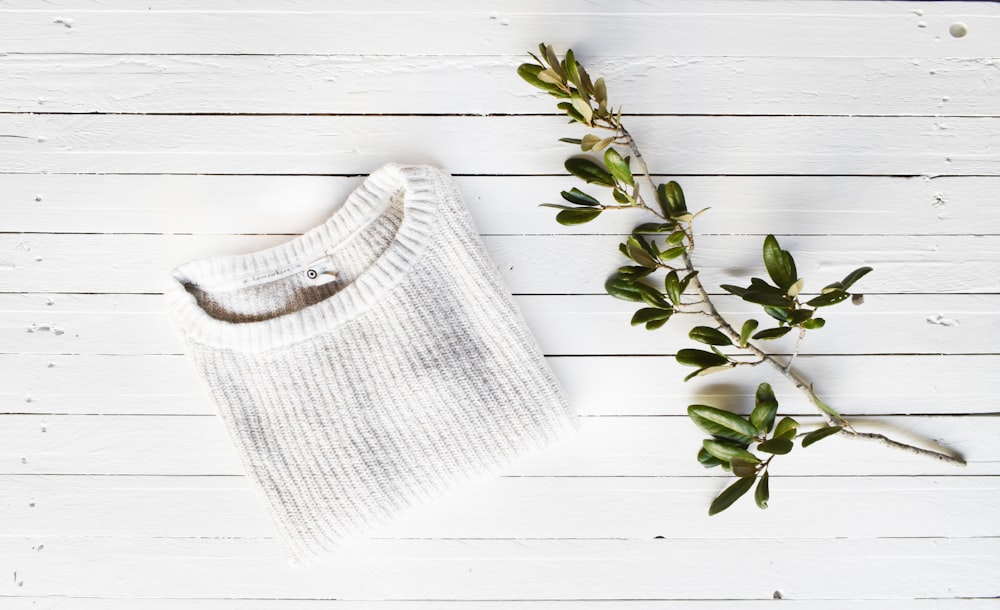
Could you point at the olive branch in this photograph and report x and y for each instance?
(586, 101)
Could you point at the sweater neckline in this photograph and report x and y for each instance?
(363, 205)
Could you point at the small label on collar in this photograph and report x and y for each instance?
(321, 271)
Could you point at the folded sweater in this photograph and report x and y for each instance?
(372, 364)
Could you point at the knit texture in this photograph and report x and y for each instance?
(370, 365)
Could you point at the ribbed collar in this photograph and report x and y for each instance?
(420, 202)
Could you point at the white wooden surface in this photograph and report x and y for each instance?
(134, 136)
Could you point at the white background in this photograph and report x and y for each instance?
(137, 135)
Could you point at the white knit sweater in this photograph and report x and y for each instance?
(369, 365)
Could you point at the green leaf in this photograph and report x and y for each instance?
(575, 195)
(674, 252)
(738, 291)
(743, 468)
(588, 142)
(600, 90)
(585, 82)
(639, 250)
(592, 143)
(550, 56)
(623, 289)
(673, 287)
(654, 324)
(676, 237)
(748, 327)
(767, 297)
(670, 196)
(576, 141)
(686, 280)
(799, 316)
(777, 313)
(582, 107)
(777, 446)
(654, 227)
(762, 494)
(530, 73)
(707, 459)
(650, 314)
(814, 323)
(571, 111)
(854, 276)
(730, 495)
(820, 434)
(772, 333)
(762, 416)
(587, 170)
(828, 298)
(700, 358)
(654, 297)
(786, 428)
(621, 196)
(709, 336)
(718, 422)
(634, 272)
(779, 263)
(727, 452)
(578, 216)
(618, 166)
(569, 65)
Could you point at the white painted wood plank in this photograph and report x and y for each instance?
(784, 205)
(530, 264)
(576, 507)
(104, 603)
(307, 84)
(733, 28)
(563, 325)
(859, 384)
(509, 569)
(248, 144)
(606, 446)
(461, 7)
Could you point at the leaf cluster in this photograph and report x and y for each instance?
(780, 298)
(643, 249)
(584, 101)
(732, 438)
(615, 173)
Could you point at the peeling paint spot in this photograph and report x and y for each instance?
(52, 365)
(921, 24)
(31, 504)
(38, 197)
(39, 547)
(65, 21)
(857, 299)
(24, 460)
(50, 301)
(28, 398)
(7, 265)
(55, 330)
(941, 320)
(38, 259)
